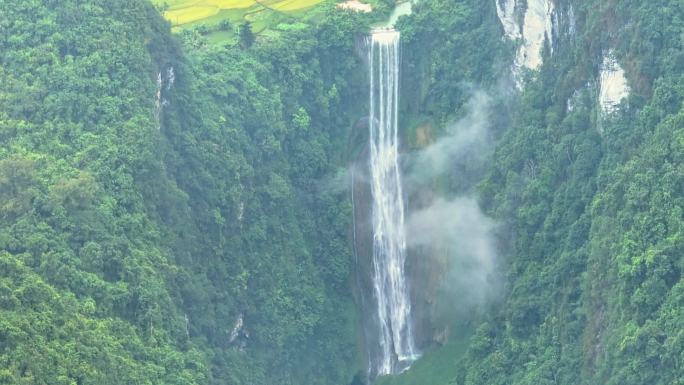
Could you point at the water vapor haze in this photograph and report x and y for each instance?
(466, 142)
(449, 225)
(458, 230)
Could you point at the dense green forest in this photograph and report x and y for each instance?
(176, 211)
(592, 203)
(140, 222)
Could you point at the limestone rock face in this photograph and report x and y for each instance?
(531, 28)
(613, 85)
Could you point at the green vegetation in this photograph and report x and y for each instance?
(595, 215)
(131, 245)
(219, 20)
(211, 16)
(139, 223)
(181, 12)
(438, 366)
(246, 35)
(591, 204)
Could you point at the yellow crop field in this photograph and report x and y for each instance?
(294, 5)
(231, 4)
(186, 12)
(190, 14)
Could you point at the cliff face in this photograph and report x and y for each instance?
(170, 211)
(531, 25)
(587, 116)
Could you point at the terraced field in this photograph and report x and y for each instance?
(261, 13)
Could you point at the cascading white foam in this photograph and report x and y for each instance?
(396, 348)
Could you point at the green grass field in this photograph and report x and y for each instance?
(438, 366)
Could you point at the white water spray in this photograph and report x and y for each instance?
(395, 337)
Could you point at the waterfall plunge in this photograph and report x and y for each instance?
(395, 337)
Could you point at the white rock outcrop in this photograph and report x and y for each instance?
(613, 85)
(535, 27)
(355, 5)
(505, 9)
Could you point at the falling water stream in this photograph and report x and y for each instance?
(396, 350)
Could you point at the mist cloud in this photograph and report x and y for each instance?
(460, 230)
(467, 140)
(454, 227)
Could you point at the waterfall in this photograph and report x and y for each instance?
(395, 337)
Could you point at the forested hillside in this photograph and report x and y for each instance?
(591, 201)
(169, 213)
(175, 210)
(595, 204)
